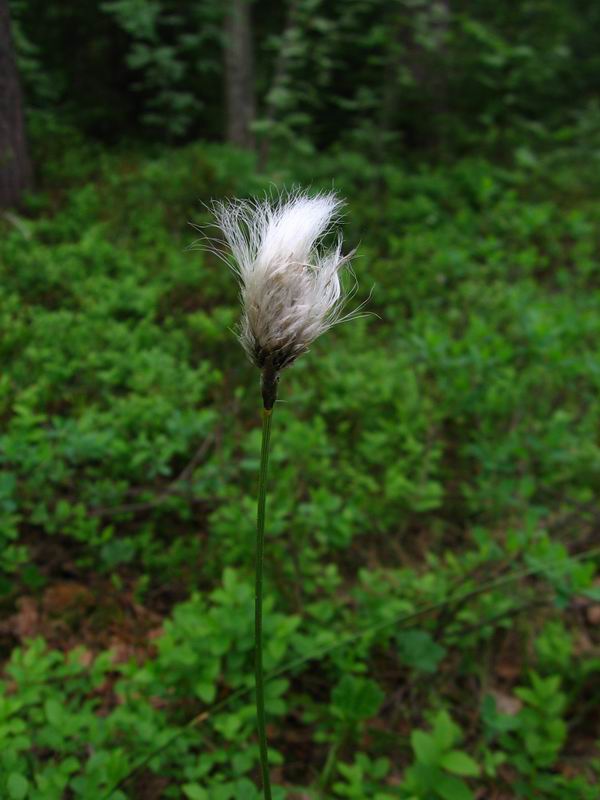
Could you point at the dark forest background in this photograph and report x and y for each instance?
(403, 79)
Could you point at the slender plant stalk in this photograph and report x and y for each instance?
(258, 608)
(328, 769)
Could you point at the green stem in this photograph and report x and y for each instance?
(329, 768)
(258, 634)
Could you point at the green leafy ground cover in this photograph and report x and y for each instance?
(433, 606)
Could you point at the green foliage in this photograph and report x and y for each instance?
(418, 650)
(355, 699)
(432, 493)
(167, 53)
(362, 778)
(439, 767)
(53, 702)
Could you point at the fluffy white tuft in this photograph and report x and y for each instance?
(290, 287)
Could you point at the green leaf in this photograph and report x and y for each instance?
(18, 786)
(459, 763)
(445, 732)
(194, 792)
(356, 698)
(419, 651)
(206, 691)
(54, 712)
(425, 747)
(245, 790)
(450, 788)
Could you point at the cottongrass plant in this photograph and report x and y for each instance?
(291, 293)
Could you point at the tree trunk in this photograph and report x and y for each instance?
(424, 62)
(239, 74)
(15, 167)
(434, 80)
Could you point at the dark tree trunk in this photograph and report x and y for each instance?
(15, 167)
(432, 79)
(424, 63)
(239, 74)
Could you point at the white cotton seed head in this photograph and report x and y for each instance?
(290, 286)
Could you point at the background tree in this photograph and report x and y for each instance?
(15, 166)
(239, 74)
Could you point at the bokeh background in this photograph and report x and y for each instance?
(432, 587)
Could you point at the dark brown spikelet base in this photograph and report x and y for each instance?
(271, 364)
(269, 382)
